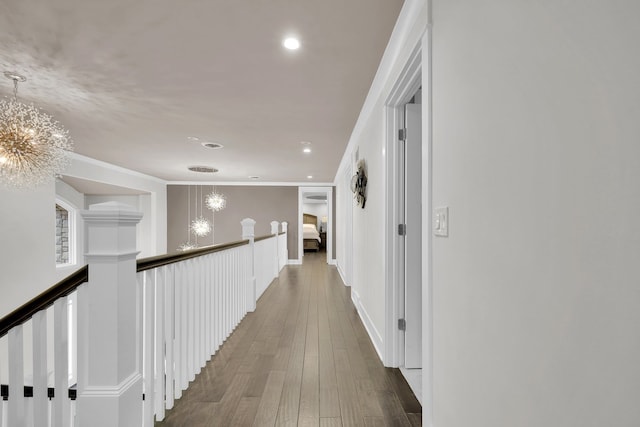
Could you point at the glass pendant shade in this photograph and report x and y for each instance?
(216, 201)
(200, 226)
(186, 246)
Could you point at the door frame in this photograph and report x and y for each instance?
(408, 83)
(329, 192)
(417, 69)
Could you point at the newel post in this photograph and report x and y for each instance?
(248, 232)
(274, 230)
(109, 371)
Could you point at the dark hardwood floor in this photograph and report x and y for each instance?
(303, 358)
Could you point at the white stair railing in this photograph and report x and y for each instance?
(144, 328)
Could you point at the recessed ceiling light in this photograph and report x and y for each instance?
(193, 138)
(254, 177)
(307, 150)
(202, 169)
(291, 43)
(309, 176)
(212, 145)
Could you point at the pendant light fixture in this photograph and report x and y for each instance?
(33, 146)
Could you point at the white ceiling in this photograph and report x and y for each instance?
(132, 80)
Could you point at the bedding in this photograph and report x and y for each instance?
(309, 231)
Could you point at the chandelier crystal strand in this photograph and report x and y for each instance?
(33, 146)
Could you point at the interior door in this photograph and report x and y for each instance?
(413, 236)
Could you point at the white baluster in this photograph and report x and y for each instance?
(147, 349)
(274, 256)
(40, 400)
(16, 402)
(159, 363)
(177, 338)
(248, 232)
(61, 403)
(169, 331)
(207, 306)
(184, 312)
(195, 266)
(191, 312)
(219, 313)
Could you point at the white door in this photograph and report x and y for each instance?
(413, 236)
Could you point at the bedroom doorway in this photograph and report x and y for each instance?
(315, 221)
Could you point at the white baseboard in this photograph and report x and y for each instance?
(333, 262)
(295, 262)
(375, 336)
(344, 282)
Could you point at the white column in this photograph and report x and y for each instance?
(284, 225)
(109, 366)
(248, 232)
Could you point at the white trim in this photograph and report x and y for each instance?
(92, 391)
(329, 244)
(120, 169)
(253, 183)
(427, 236)
(405, 87)
(294, 262)
(375, 336)
(333, 262)
(342, 275)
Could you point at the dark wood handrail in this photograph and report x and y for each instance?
(161, 260)
(44, 300)
(281, 233)
(265, 237)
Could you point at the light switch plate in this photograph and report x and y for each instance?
(441, 221)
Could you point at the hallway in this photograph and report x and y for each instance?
(302, 358)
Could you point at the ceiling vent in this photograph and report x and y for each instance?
(212, 145)
(203, 169)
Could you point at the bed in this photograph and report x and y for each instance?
(310, 236)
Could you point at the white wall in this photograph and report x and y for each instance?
(368, 139)
(536, 291)
(537, 154)
(27, 245)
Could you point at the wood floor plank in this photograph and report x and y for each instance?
(268, 407)
(245, 412)
(330, 422)
(302, 358)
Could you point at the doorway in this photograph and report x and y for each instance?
(315, 207)
(405, 228)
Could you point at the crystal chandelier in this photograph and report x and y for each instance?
(186, 247)
(200, 226)
(33, 146)
(216, 201)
